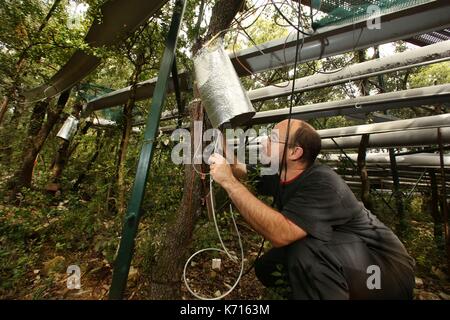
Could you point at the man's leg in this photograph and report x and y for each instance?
(371, 275)
(307, 274)
(314, 273)
(338, 269)
(270, 269)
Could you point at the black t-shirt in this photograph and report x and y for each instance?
(320, 202)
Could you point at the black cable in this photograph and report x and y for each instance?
(298, 28)
(291, 104)
(256, 259)
(284, 160)
(256, 19)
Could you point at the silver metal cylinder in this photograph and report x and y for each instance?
(224, 98)
(69, 128)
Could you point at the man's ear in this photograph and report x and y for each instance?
(296, 153)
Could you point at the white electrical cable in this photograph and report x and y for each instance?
(215, 222)
(224, 250)
(220, 250)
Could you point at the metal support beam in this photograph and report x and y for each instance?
(364, 104)
(381, 159)
(362, 170)
(409, 138)
(144, 90)
(377, 182)
(131, 221)
(397, 193)
(430, 150)
(329, 41)
(399, 61)
(418, 57)
(410, 173)
(410, 193)
(420, 180)
(375, 116)
(390, 126)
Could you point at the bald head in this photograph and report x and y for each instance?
(294, 125)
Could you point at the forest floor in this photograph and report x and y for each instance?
(38, 242)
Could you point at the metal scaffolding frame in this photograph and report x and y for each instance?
(435, 53)
(363, 104)
(441, 120)
(409, 138)
(121, 17)
(421, 160)
(430, 38)
(418, 57)
(329, 41)
(144, 90)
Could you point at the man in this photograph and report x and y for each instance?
(324, 239)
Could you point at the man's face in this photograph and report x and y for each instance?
(276, 142)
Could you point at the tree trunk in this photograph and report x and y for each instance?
(166, 272)
(58, 166)
(9, 132)
(3, 108)
(23, 176)
(364, 83)
(61, 159)
(99, 143)
(121, 171)
(124, 142)
(37, 118)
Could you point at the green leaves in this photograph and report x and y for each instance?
(36, 41)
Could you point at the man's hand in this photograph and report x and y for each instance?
(270, 223)
(220, 170)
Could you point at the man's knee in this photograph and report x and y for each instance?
(314, 273)
(260, 270)
(269, 267)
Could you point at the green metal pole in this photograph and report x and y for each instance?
(131, 221)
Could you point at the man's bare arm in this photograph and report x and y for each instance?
(275, 227)
(239, 170)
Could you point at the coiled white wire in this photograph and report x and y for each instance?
(224, 250)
